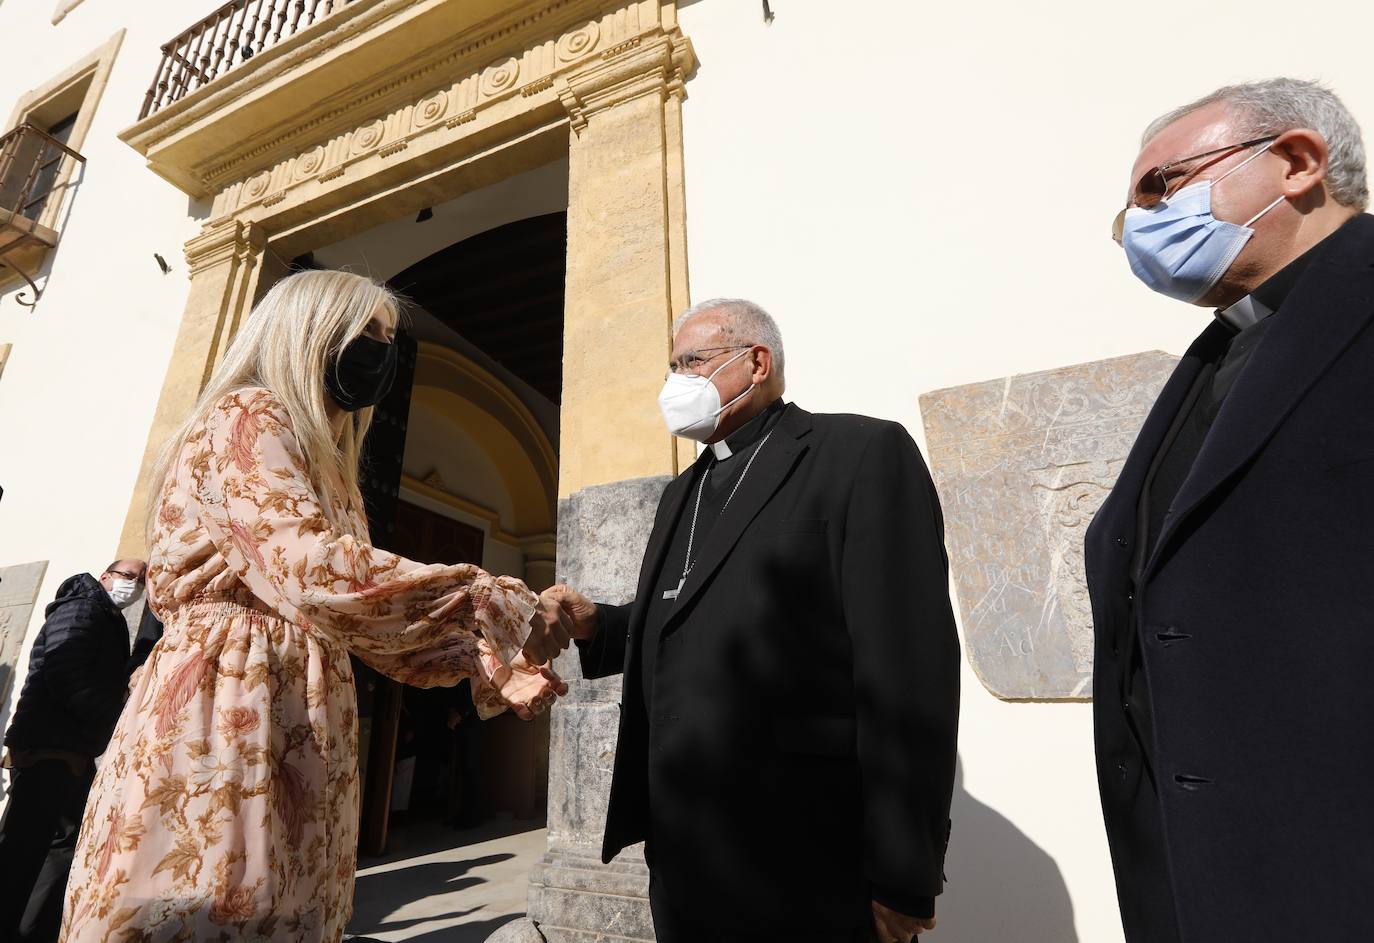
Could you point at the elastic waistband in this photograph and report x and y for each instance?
(237, 603)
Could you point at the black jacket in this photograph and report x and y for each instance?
(1245, 814)
(74, 690)
(806, 690)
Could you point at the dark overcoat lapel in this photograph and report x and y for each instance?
(1329, 306)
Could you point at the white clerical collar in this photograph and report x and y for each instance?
(721, 450)
(1244, 313)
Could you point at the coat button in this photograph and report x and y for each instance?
(1125, 706)
(1121, 771)
(1121, 541)
(1130, 598)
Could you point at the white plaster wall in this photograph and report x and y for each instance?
(921, 194)
(77, 396)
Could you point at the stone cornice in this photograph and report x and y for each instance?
(643, 66)
(227, 240)
(594, 63)
(374, 74)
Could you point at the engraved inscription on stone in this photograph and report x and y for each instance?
(1022, 465)
(18, 593)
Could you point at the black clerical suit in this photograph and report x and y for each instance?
(1233, 708)
(787, 733)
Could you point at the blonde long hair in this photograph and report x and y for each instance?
(285, 345)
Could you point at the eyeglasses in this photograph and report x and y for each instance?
(136, 577)
(1155, 184)
(694, 360)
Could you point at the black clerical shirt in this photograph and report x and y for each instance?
(722, 474)
(1249, 318)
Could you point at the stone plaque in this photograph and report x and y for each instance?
(1022, 465)
(18, 593)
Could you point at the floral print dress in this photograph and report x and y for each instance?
(226, 807)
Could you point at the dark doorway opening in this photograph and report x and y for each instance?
(496, 299)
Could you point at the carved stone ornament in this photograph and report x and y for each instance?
(587, 67)
(500, 77)
(1022, 464)
(579, 42)
(309, 163)
(368, 136)
(431, 108)
(257, 185)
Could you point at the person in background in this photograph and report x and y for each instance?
(1233, 710)
(67, 708)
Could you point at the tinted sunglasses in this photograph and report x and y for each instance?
(1155, 184)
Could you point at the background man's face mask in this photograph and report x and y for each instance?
(363, 373)
(124, 592)
(1178, 248)
(691, 404)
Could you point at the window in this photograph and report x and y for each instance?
(40, 163)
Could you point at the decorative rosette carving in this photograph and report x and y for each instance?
(500, 77)
(309, 163)
(368, 136)
(579, 42)
(431, 108)
(257, 185)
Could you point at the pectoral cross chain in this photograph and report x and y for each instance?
(696, 509)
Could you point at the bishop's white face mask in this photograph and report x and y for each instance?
(691, 404)
(125, 592)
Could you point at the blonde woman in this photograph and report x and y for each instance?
(227, 804)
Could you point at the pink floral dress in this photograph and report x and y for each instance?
(226, 807)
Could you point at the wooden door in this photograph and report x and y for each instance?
(427, 537)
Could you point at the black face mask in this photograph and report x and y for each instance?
(363, 373)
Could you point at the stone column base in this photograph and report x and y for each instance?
(574, 898)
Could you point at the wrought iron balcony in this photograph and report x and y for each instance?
(225, 39)
(34, 166)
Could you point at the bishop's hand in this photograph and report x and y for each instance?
(889, 926)
(550, 629)
(580, 611)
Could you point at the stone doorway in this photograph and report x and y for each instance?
(385, 108)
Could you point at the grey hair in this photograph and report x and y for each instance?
(745, 322)
(1273, 106)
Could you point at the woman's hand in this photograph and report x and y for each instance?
(529, 689)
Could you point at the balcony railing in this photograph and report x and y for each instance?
(225, 39)
(31, 170)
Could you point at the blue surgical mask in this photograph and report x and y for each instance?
(1178, 248)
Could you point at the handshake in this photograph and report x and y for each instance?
(531, 685)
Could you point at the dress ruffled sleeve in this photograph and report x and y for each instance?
(412, 621)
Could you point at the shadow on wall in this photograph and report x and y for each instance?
(1001, 885)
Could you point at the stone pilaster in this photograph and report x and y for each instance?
(627, 273)
(225, 261)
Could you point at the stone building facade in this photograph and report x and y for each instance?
(920, 194)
